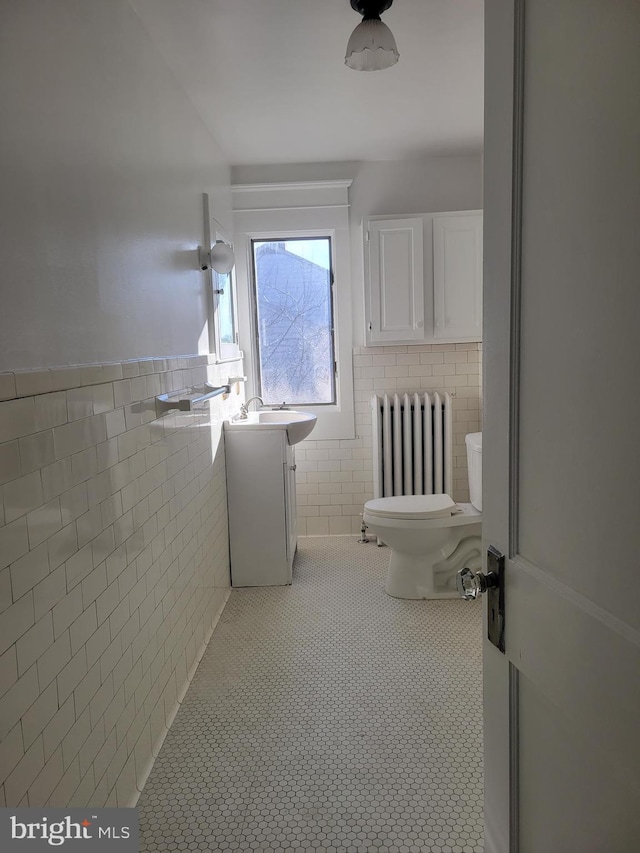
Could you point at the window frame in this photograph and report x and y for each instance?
(253, 282)
(317, 208)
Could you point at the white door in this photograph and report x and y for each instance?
(562, 423)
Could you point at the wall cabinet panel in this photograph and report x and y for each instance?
(397, 280)
(457, 277)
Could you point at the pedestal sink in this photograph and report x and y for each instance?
(297, 424)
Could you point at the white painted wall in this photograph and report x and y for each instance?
(114, 558)
(104, 160)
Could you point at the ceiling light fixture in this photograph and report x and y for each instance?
(372, 46)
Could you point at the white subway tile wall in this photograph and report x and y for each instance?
(114, 566)
(335, 478)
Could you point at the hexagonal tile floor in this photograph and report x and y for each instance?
(327, 716)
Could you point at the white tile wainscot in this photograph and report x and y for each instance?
(335, 478)
(114, 569)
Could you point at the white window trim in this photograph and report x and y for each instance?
(304, 214)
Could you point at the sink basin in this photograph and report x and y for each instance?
(297, 424)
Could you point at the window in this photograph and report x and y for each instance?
(293, 279)
(225, 321)
(295, 332)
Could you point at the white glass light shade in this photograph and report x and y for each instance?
(222, 257)
(371, 47)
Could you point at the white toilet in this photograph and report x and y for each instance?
(430, 536)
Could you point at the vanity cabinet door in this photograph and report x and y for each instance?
(259, 501)
(457, 276)
(396, 281)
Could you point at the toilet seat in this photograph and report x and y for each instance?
(412, 507)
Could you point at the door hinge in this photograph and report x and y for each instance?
(335, 368)
(367, 236)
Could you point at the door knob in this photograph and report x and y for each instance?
(472, 584)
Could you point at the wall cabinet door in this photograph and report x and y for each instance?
(457, 276)
(396, 277)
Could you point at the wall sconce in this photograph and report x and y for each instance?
(372, 46)
(219, 258)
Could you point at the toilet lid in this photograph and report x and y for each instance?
(412, 506)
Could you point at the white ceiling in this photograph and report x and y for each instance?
(268, 77)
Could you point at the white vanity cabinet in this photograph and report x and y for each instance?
(261, 493)
(423, 278)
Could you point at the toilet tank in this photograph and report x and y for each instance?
(474, 463)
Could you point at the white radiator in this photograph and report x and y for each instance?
(412, 444)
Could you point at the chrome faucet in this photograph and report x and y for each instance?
(244, 407)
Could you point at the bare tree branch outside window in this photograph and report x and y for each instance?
(295, 324)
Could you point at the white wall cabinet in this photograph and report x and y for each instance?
(261, 493)
(423, 278)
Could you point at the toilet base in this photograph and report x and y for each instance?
(430, 595)
(418, 576)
